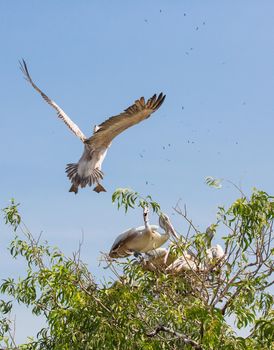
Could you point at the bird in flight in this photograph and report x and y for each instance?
(88, 169)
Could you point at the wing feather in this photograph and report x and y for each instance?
(61, 114)
(124, 237)
(134, 114)
(122, 240)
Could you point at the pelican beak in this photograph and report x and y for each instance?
(170, 227)
(172, 230)
(145, 212)
(174, 233)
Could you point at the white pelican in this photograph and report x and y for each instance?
(88, 169)
(142, 239)
(157, 259)
(186, 262)
(215, 253)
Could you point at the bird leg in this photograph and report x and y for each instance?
(99, 188)
(74, 188)
(137, 254)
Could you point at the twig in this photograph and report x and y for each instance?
(178, 335)
(178, 210)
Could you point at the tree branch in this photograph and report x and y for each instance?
(179, 335)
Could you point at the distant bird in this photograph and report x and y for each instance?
(88, 169)
(142, 239)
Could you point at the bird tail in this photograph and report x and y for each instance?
(99, 188)
(78, 180)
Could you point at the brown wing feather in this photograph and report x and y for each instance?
(134, 114)
(61, 114)
(122, 240)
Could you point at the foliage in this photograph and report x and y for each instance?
(145, 309)
(127, 198)
(212, 182)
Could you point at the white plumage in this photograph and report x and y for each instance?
(186, 262)
(141, 239)
(157, 259)
(88, 169)
(215, 252)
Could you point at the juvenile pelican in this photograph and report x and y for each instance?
(186, 262)
(88, 169)
(215, 253)
(157, 259)
(141, 239)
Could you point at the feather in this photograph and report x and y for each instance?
(61, 114)
(115, 125)
(82, 181)
(88, 169)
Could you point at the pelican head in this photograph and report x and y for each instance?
(166, 225)
(217, 252)
(163, 221)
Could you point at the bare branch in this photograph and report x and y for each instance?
(179, 211)
(178, 335)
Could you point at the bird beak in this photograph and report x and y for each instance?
(171, 229)
(174, 233)
(145, 215)
(145, 212)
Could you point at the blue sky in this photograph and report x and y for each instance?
(214, 61)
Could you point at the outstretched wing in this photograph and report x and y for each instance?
(61, 114)
(134, 114)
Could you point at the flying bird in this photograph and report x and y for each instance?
(142, 239)
(88, 169)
